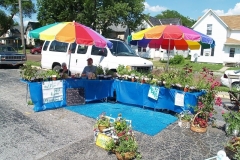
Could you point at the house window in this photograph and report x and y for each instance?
(139, 49)
(232, 52)
(209, 29)
(144, 49)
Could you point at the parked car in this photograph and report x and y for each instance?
(36, 50)
(231, 78)
(9, 56)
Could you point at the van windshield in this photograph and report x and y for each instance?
(122, 49)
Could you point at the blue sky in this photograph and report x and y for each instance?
(191, 8)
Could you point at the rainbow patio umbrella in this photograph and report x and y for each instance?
(70, 32)
(171, 36)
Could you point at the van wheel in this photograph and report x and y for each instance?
(57, 68)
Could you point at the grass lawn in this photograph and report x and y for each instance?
(195, 66)
(33, 63)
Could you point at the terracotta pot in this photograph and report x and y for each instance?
(126, 156)
(120, 134)
(185, 89)
(101, 128)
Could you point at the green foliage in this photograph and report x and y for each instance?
(6, 22)
(195, 66)
(120, 125)
(93, 13)
(30, 102)
(28, 72)
(99, 70)
(126, 144)
(177, 59)
(232, 120)
(186, 21)
(102, 120)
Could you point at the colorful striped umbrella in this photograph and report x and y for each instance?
(70, 32)
(170, 37)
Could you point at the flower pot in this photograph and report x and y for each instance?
(101, 128)
(185, 89)
(54, 77)
(125, 156)
(230, 153)
(120, 134)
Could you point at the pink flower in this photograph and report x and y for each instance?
(218, 101)
(210, 114)
(222, 111)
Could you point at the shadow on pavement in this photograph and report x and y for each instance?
(9, 66)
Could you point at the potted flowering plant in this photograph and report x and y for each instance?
(232, 120)
(210, 89)
(232, 148)
(205, 109)
(124, 147)
(103, 122)
(121, 126)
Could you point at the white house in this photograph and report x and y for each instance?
(225, 30)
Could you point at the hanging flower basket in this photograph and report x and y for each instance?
(199, 124)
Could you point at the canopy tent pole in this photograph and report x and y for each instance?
(70, 53)
(168, 52)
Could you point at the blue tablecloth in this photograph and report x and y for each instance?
(127, 92)
(94, 90)
(137, 94)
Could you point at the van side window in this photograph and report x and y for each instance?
(96, 51)
(73, 47)
(82, 49)
(46, 44)
(58, 46)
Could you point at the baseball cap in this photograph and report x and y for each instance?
(89, 59)
(64, 64)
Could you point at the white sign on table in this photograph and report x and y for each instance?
(52, 91)
(153, 92)
(179, 99)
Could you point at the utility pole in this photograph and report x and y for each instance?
(22, 27)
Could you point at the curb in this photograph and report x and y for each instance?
(224, 95)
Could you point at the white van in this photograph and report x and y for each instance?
(54, 53)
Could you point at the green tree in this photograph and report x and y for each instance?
(12, 7)
(186, 21)
(97, 14)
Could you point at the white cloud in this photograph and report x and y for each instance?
(156, 8)
(231, 11)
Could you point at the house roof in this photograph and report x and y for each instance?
(118, 28)
(166, 21)
(154, 21)
(32, 25)
(173, 21)
(211, 12)
(231, 41)
(233, 21)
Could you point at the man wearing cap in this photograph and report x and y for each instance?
(64, 71)
(90, 68)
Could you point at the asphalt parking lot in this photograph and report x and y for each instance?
(61, 134)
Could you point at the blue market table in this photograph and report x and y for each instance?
(127, 92)
(94, 90)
